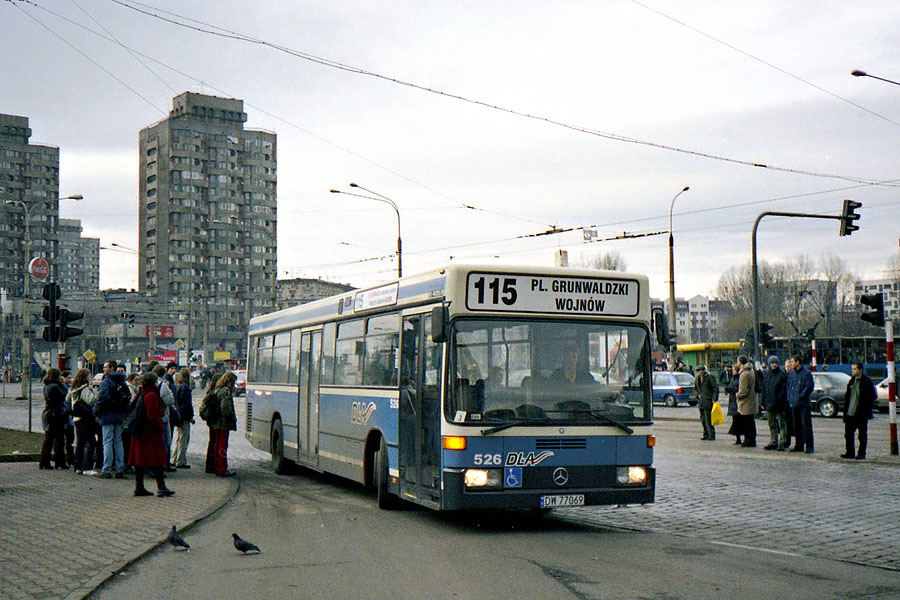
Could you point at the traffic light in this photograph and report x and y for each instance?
(876, 303)
(66, 317)
(129, 318)
(765, 337)
(848, 216)
(51, 312)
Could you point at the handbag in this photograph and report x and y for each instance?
(716, 417)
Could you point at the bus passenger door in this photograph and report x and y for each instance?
(410, 407)
(420, 400)
(312, 446)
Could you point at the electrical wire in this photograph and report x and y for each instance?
(203, 27)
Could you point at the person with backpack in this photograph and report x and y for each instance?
(170, 411)
(82, 397)
(226, 422)
(209, 412)
(109, 409)
(148, 450)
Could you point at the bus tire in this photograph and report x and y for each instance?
(385, 500)
(279, 463)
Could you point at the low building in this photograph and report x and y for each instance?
(291, 292)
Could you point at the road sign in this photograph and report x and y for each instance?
(90, 354)
(179, 344)
(39, 268)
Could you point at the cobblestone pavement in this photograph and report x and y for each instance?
(815, 505)
(63, 533)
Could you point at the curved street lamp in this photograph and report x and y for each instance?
(672, 277)
(858, 73)
(381, 198)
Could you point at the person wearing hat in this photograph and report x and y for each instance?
(774, 401)
(706, 390)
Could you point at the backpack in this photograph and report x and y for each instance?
(135, 417)
(119, 399)
(212, 408)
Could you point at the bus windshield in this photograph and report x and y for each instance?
(548, 372)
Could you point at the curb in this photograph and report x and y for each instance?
(99, 580)
(19, 458)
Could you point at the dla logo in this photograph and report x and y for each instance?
(530, 459)
(360, 412)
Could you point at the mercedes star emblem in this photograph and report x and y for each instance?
(560, 476)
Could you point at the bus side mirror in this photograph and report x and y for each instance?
(663, 335)
(439, 318)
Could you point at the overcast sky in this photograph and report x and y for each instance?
(765, 82)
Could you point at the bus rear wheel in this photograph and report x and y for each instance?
(279, 463)
(385, 500)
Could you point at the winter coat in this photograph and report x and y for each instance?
(731, 389)
(867, 395)
(148, 449)
(102, 411)
(799, 387)
(54, 414)
(706, 390)
(227, 419)
(183, 402)
(774, 390)
(746, 394)
(167, 397)
(82, 399)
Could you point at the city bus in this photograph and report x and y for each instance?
(468, 387)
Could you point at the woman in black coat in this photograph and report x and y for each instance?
(731, 388)
(54, 418)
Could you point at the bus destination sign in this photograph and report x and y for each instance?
(508, 292)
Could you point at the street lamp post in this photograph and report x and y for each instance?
(672, 278)
(381, 198)
(858, 73)
(26, 291)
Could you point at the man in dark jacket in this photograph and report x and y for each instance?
(858, 401)
(774, 400)
(706, 390)
(799, 387)
(110, 413)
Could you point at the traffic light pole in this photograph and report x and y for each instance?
(757, 354)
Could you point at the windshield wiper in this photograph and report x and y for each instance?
(516, 424)
(610, 420)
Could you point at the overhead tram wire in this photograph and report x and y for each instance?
(88, 58)
(221, 32)
(397, 174)
(764, 62)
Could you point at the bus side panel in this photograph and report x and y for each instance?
(259, 419)
(346, 417)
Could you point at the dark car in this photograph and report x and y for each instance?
(828, 393)
(672, 389)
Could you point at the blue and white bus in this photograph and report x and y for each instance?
(472, 386)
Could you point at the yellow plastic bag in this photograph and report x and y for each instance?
(716, 416)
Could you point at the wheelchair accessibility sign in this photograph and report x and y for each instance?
(512, 477)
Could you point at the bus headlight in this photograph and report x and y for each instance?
(476, 478)
(631, 475)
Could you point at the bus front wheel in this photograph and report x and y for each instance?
(279, 462)
(385, 500)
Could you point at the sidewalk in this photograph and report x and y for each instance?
(64, 534)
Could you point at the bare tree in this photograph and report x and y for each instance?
(607, 261)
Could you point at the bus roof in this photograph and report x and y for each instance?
(541, 289)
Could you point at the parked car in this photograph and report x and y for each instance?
(672, 389)
(828, 393)
(240, 386)
(882, 401)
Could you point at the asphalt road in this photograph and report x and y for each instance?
(324, 538)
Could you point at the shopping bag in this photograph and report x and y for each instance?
(716, 416)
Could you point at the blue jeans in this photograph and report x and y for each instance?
(112, 448)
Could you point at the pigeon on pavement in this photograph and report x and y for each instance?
(243, 545)
(176, 540)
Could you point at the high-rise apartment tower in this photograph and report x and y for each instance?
(207, 219)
